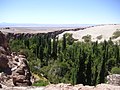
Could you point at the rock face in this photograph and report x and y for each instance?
(4, 48)
(114, 79)
(14, 70)
(20, 71)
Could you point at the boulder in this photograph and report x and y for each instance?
(20, 72)
(114, 79)
(3, 61)
(4, 66)
(20, 80)
(2, 50)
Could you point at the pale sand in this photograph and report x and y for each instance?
(32, 29)
(13, 30)
(105, 30)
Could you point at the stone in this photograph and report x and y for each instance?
(114, 79)
(4, 43)
(3, 61)
(21, 73)
(20, 80)
(2, 50)
(21, 56)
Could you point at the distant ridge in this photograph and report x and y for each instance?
(43, 25)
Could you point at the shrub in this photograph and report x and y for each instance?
(24, 52)
(7, 27)
(115, 70)
(41, 83)
(99, 37)
(69, 38)
(116, 34)
(87, 38)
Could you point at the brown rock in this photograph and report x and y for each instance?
(21, 72)
(114, 79)
(3, 61)
(2, 50)
(4, 43)
(20, 80)
(14, 68)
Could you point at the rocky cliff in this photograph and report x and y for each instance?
(14, 70)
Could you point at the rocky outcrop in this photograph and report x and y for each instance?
(4, 48)
(114, 79)
(3, 61)
(14, 70)
(20, 71)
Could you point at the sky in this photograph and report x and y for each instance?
(60, 11)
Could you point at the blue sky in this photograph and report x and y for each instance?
(60, 11)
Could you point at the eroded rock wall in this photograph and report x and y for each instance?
(14, 70)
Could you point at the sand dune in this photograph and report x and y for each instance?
(105, 30)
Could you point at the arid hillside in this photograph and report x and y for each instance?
(98, 32)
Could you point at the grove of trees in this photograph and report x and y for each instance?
(68, 60)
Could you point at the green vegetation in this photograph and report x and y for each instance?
(40, 83)
(87, 38)
(40, 80)
(115, 70)
(116, 34)
(68, 61)
(99, 37)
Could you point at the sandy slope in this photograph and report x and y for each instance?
(105, 30)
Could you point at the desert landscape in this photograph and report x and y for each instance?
(32, 29)
(59, 45)
(107, 31)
